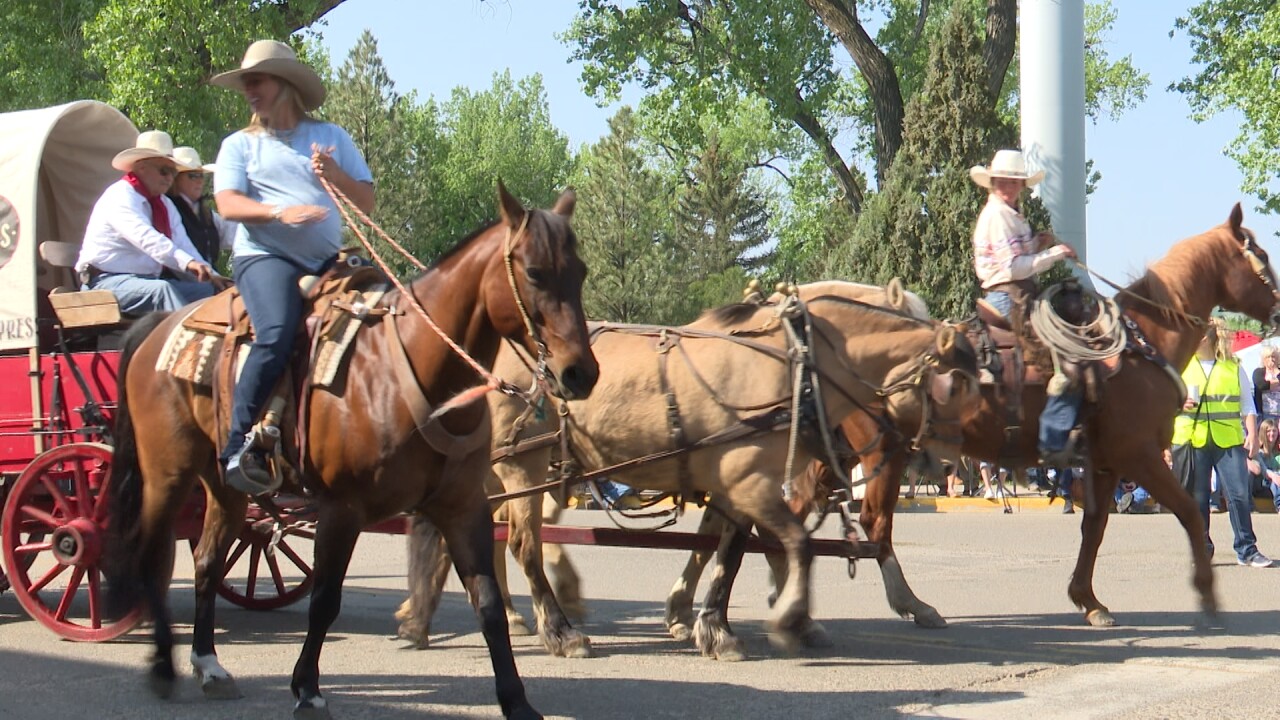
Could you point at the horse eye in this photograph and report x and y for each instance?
(537, 276)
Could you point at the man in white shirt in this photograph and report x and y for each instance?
(135, 233)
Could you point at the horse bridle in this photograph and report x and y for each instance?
(1262, 269)
(541, 370)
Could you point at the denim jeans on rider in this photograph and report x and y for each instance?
(1193, 465)
(269, 286)
(1001, 301)
(1057, 419)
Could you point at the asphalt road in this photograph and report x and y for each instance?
(1016, 647)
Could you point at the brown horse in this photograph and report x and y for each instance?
(1132, 423)
(372, 450)
(868, 349)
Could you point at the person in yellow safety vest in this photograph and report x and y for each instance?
(1208, 435)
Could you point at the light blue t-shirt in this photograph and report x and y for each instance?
(276, 169)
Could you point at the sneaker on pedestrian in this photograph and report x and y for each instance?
(1257, 560)
(1124, 503)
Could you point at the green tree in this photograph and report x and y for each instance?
(622, 221)
(503, 132)
(919, 226)
(721, 230)
(400, 142)
(1235, 44)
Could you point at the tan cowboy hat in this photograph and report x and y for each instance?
(1006, 164)
(272, 57)
(150, 144)
(188, 160)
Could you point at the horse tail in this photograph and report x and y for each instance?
(125, 485)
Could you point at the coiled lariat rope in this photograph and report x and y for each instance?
(1099, 339)
(491, 381)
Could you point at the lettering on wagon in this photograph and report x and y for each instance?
(8, 230)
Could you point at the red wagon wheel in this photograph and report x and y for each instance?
(52, 533)
(260, 577)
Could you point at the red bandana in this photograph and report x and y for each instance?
(159, 213)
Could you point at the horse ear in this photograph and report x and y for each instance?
(894, 293)
(512, 211)
(565, 204)
(1236, 220)
(945, 340)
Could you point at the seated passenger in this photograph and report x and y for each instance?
(210, 234)
(134, 234)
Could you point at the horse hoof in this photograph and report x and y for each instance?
(785, 642)
(160, 686)
(929, 618)
(1101, 617)
(568, 644)
(312, 709)
(525, 713)
(220, 688)
(1210, 622)
(680, 631)
(516, 627)
(813, 635)
(418, 638)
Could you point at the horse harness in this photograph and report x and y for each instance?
(802, 411)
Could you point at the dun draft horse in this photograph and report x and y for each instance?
(372, 451)
(1132, 422)
(914, 372)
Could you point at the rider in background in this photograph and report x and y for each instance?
(268, 180)
(210, 234)
(1006, 258)
(134, 234)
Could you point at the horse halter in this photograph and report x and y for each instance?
(1262, 269)
(920, 378)
(541, 371)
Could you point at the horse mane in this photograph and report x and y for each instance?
(735, 313)
(1170, 282)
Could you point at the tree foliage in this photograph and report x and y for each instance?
(623, 226)
(1235, 43)
(920, 225)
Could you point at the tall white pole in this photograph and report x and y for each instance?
(1051, 40)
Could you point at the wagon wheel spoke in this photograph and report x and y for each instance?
(297, 561)
(100, 504)
(32, 548)
(95, 588)
(34, 513)
(84, 496)
(59, 498)
(234, 556)
(49, 576)
(276, 577)
(69, 595)
(251, 581)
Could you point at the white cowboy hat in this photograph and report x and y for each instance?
(150, 144)
(188, 160)
(1006, 164)
(272, 57)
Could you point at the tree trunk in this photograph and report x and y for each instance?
(298, 19)
(841, 17)
(1002, 36)
(835, 163)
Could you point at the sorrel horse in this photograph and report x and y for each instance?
(1132, 422)
(875, 358)
(373, 450)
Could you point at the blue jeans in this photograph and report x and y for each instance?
(612, 491)
(1057, 419)
(138, 294)
(1001, 301)
(1140, 495)
(1193, 465)
(1275, 493)
(269, 286)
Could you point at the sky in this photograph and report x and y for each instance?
(1164, 176)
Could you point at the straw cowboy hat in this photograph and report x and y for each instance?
(188, 160)
(1006, 164)
(150, 144)
(272, 57)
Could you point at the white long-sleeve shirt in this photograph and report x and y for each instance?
(121, 239)
(1004, 249)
